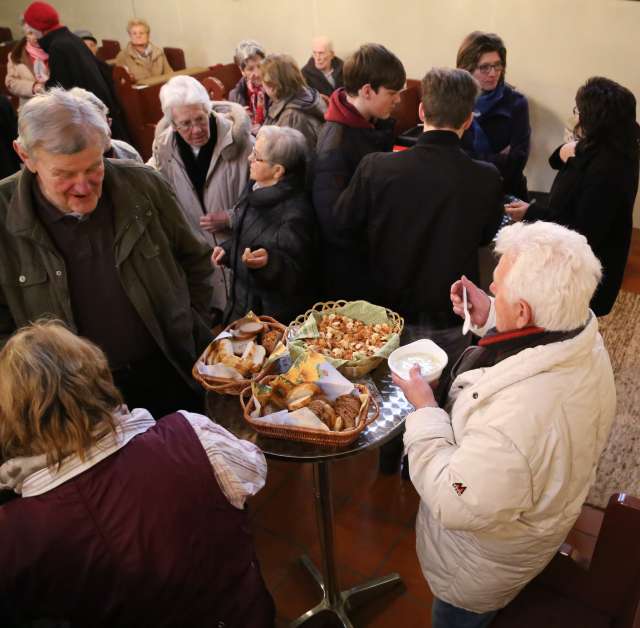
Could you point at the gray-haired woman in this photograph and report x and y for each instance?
(249, 91)
(273, 247)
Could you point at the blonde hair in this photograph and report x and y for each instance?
(282, 73)
(57, 396)
(136, 21)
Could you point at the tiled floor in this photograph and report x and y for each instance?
(374, 525)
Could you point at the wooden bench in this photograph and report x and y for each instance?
(109, 49)
(406, 112)
(228, 74)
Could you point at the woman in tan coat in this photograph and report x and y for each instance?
(27, 68)
(141, 58)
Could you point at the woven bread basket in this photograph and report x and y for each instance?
(353, 369)
(305, 435)
(226, 386)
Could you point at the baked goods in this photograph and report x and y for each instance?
(347, 407)
(269, 340)
(301, 395)
(323, 410)
(346, 338)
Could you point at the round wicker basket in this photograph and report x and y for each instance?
(352, 369)
(315, 437)
(226, 386)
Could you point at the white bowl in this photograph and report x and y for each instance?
(424, 352)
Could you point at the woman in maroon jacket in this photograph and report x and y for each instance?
(122, 521)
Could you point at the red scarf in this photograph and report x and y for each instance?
(256, 102)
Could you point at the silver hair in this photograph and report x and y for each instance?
(284, 146)
(90, 97)
(180, 91)
(61, 123)
(553, 269)
(247, 49)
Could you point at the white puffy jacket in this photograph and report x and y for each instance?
(226, 179)
(503, 478)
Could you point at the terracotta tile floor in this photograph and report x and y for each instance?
(374, 526)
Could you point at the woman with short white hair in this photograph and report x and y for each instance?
(141, 58)
(202, 149)
(249, 91)
(272, 251)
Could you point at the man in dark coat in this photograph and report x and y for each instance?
(358, 122)
(9, 160)
(71, 63)
(323, 71)
(419, 216)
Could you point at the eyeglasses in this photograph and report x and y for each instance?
(253, 156)
(485, 68)
(187, 125)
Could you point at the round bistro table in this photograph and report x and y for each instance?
(225, 410)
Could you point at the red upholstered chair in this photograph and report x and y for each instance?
(175, 57)
(214, 87)
(605, 594)
(109, 49)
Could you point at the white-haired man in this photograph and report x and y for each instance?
(102, 245)
(504, 465)
(202, 149)
(323, 70)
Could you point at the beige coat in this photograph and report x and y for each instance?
(226, 179)
(19, 80)
(144, 67)
(503, 474)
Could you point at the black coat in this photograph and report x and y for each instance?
(339, 152)
(593, 193)
(506, 124)
(279, 219)
(72, 64)
(416, 219)
(316, 79)
(9, 160)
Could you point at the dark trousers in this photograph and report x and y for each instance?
(156, 385)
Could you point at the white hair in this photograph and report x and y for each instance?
(180, 91)
(324, 41)
(61, 123)
(553, 269)
(248, 49)
(284, 146)
(90, 97)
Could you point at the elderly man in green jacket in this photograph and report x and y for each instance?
(103, 246)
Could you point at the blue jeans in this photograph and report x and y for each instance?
(444, 615)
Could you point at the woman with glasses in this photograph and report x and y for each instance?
(293, 104)
(273, 247)
(597, 181)
(201, 148)
(500, 132)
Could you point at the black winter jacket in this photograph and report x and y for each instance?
(417, 219)
(279, 219)
(316, 79)
(593, 193)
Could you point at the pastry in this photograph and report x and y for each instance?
(323, 410)
(302, 395)
(347, 407)
(270, 340)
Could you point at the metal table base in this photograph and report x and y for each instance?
(334, 601)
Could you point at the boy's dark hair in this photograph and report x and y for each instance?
(448, 97)
(373, 64)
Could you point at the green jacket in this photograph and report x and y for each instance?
(165, 271)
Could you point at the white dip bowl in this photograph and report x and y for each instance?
(431, 358)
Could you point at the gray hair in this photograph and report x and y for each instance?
(247, 49)
(90, 97)
(284, 146)
(554, 270)
(180, 91)
(60, 123)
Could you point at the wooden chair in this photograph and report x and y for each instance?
(228, 74)
(605, 594)
(5, 34)
(214, 87)
(109, 49)
(406, 112)
(175, 57)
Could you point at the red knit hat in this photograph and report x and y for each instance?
(41, 16)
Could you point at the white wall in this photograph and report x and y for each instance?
(553, 45)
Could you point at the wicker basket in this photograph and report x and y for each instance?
(352, 369)
(226, 386)
(315, 437)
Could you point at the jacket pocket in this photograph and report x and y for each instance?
(25, 278)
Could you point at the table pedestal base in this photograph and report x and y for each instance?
(346, 600)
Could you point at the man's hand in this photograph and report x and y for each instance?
(215, 222)
(567, 151)
(516, 210)
(218, 254)
(477, 300)
(255, 259)
(416, 389)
